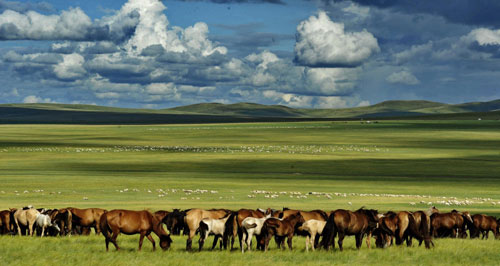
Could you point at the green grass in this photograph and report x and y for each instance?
(389, 165)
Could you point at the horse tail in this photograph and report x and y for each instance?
(329, 232)
(419, 232)
(103, 224)
(425, 230)
(69, 221)
(229, 228)
(203, 229)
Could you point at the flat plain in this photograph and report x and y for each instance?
(386, 165)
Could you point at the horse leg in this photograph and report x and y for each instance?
(114, 236)
(189, 241)
(289, 241)
(341, 240)
(248, 241)
(216, 239)
(150, 238)
(141, 238)
(359, 238)
(43, 231)
(31, 231)
(201, 241)
(307, 243)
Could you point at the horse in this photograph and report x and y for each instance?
(386, 231)
(213, 226)
(402, 225)
(423, 223)
(313, 228)
(87, 218)
(26, 217)
(63, 218)
(251, 226)
(319, 215)
(6, 223)
(453, 223)
(43, 221)
(130, 223)
(344, 222)
(240, 216)
(193, 218)
(483, 224)
(175, 221)
(282, 228)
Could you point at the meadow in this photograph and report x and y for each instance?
(386, 165)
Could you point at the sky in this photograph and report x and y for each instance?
(300, 53)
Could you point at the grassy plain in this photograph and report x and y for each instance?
(389, 165)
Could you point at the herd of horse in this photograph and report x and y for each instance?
(319, 227)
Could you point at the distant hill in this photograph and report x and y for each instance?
(240, 112)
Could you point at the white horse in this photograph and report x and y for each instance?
(43, 221)
(212, 226)
(26, 218)
(313, 228)
(251, 226)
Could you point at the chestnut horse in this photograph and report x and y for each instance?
(131, 223)
(87, 218)
(237, 221)
(281, 229)
(453, 223)
(402, 225)
(483, 224)
(344, 222)
(63, 218)
(319, 215)
(195, 216)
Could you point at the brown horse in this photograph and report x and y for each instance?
(483, 224)
(6, 224)
(319, 215)
(423, 223)
(131, 223)
(193, 218)
(344, 222)
(402, 225)
(387, 229)
(175, 221)
(87, 218)
(63, 218)
(282, 229)
(453, 224)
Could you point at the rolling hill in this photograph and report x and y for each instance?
(240, 112)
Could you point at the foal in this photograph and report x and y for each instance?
(213, 226)
(313, 229)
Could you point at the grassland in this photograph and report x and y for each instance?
(389, 165)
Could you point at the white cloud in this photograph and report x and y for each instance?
(36, 99)
(403, 77)
(331, 81)
(483, 37)
(72, 24)
(71, 67)
(322, 42)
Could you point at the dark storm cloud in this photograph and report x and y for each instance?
(473, 12)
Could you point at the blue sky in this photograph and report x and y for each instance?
(302, 53)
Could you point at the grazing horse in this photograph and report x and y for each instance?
(453, 224)
(344, 222)
(423, 224)
(6, 223)
(130, 223)
(402, 225)
(26, 217)
(313, 228)
(281, 228)
(240, 216)
(484, 224)
(251, 226)
(213, 226)
(175, 221)
(43, 221)
(87, 218)
(63, 219)
(319, 215)
(193, 218)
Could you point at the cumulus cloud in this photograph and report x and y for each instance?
(36, 99)
(483, 37)
(322, 42)
(403, 77)
(71, 68)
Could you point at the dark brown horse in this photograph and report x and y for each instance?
(63, 218)
(344, 222)
(6, 223)
(423, 224)
(86, 218)
(281, 229)
(484, 224)
(193, 218)
(129, 222)
(453, 224)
